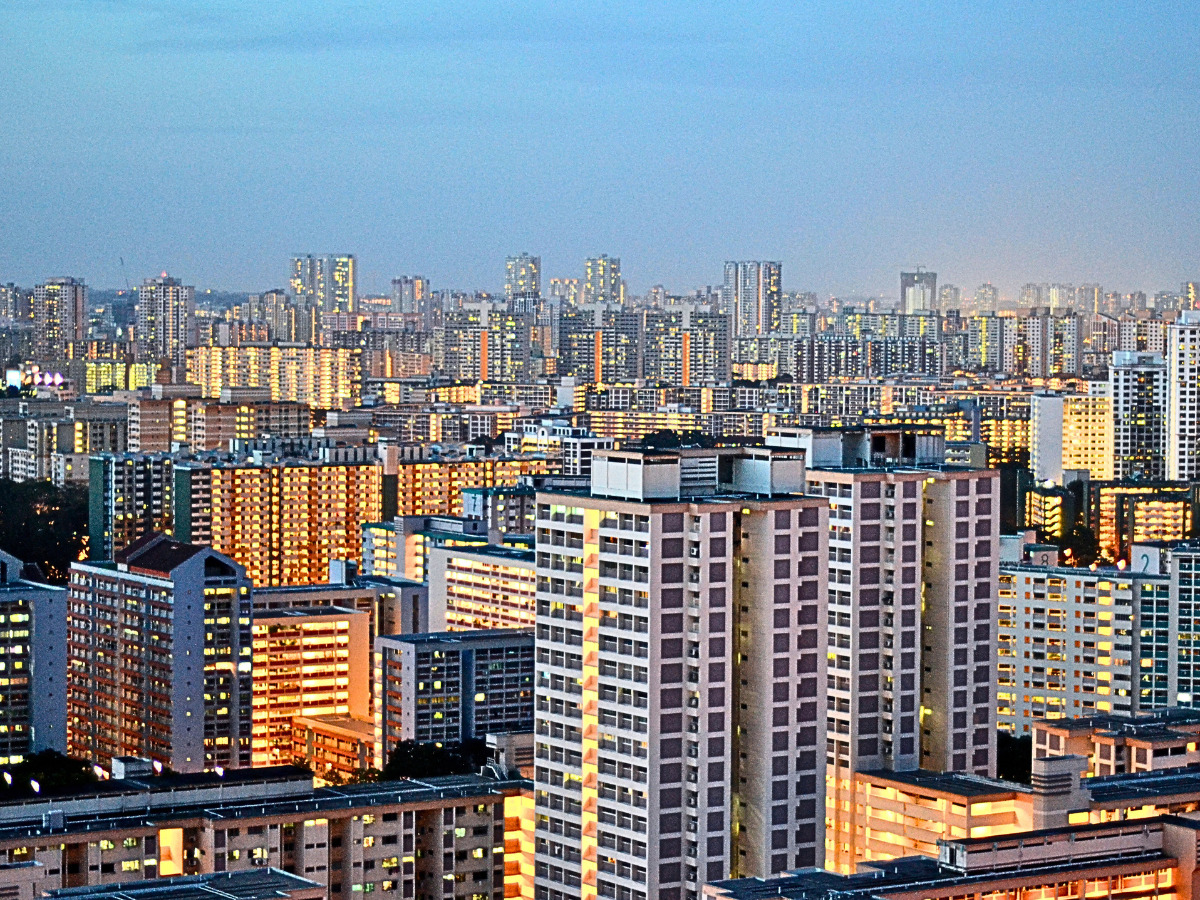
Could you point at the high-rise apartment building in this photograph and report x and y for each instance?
(913, 551)
(327, 282)
(283, 520)
(33, 644)
(1139, 511)
(600, 344)
(1071, 432)
(434, 486)
(523, 278)
(1112, 640)
(602, 282)
(685, 348)
(165, 308)
(1137, 388)
(410, 294)
(1066, 642)
(59, 317)
(985, 342)
(681, 656)
(322, 377)
(1183, 397)
(129, 495)
(918, 291)
(506, 346)
(949, 297)
(313, 661)
(752, 294)
(452, 686)
(476, 587)
(159, 645)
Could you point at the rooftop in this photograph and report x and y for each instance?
(477, 636)
(255, 884)
(1143, 785)
(157, 553)
(958, 784)
(304, 800)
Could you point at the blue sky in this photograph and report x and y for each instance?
(1027, 141)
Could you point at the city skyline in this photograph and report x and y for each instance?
(1021, 149)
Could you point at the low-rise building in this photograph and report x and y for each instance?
(336, 747)
(440, 837)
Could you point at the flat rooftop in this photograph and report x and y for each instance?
(301, 803)
(971, 786)
(909, 875)
(1144, 785)
(255, 884)
(480, 636)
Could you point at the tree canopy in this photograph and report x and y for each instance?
(45, 525)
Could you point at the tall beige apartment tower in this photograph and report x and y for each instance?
(681, 644)
(913, 559)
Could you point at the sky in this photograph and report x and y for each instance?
(1021, 142)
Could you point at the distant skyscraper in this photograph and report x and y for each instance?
(523, 277)
(602, 280)
(1059, 297)
(410, 293)
(1031, 296)
(1189, 294)
(752, 294)
(164, 314)
(1090, 298)
(327, 282)
(918, 290)
(949, 297)
(987, 297)
(59, 316)
(1183, 398)
(568, 290)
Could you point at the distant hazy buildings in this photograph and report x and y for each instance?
(949, 297)
(410, 293)
(752, 294)
(327, 282)
(59, 316)
(523, 277)
(165, 308)
(918, 290)
(987, 297)
(602, 280)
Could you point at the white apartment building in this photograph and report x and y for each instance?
(1183, 397)
(681, 642)
(913, 551)
(1071, 432)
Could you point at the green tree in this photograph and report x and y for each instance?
(44, 525)
(52, 772)
(414, 759)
